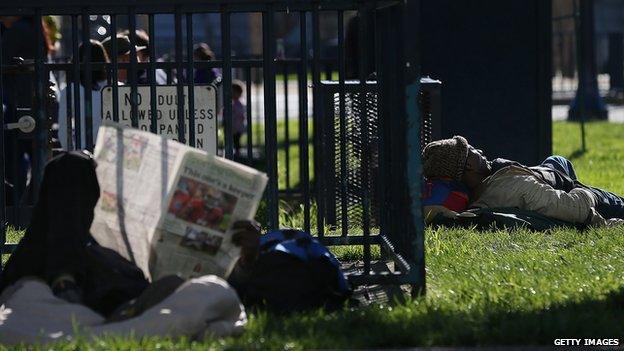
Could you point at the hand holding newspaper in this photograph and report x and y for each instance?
(168, 207)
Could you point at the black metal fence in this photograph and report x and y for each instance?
(606, 48)
(565, 79)
(383, 122)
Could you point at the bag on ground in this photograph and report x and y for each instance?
(294, 272)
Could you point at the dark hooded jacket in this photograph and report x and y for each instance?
(58, 240)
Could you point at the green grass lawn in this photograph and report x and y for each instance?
(484, 288)
(288, 168)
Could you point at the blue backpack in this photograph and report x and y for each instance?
(294, 272)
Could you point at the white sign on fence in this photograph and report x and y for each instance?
(167, 112)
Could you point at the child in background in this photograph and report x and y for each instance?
(239, 116)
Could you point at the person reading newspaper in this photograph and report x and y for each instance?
(58, 247)
(170, 208)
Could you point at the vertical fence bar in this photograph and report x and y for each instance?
(343, 128)
(69, 115)
(40, 151)
(304, 173)
(179, 75)
(270, 131)
(363, 66)
(170, 75)
(115, 80)
(2, 158)
(409, 81)
(134, 94)
(383, 183)
(152, 74)
(226, 52)
(87, 83)
(318, 123)
(258, 118)
(190, 77)
(17, 190)
(76, 83)
(286, 131)
(248, 101)
(582, 79)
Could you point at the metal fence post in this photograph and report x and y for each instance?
(363, 32)
(76, 84)
(411, 69)
(226, 52)
(270, 113)
(318, 124)
(87, 84)
(190, 78)
(179, 75)
(40, 153)
(2, 158)
(304, 173)
(115, 81)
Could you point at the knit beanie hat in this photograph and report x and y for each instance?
(445, 158)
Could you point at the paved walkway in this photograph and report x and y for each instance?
(616, 113)
(290, 92)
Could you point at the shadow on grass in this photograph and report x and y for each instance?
(576, 154)
(418, 323)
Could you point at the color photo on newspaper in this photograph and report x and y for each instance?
(202, 241)
(199, 203)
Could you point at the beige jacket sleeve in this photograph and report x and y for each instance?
(517, 188)
(576, 206)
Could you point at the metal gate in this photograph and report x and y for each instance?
(369, 37)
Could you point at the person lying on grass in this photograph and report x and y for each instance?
(551, 189)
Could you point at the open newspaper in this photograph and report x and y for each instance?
(168, 207)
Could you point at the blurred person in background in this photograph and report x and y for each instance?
(142, 42)
(123, 54)
(98, 81)
(239, 115)
(203, 53)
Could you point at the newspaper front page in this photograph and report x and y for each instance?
(168, 207)
(209, 194)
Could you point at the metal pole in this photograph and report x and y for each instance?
(226, 53)
(2, 158)
(304, 172)
(87, 83)
(318, 123)
(248, 112)
(413, 175)
(270, 123)
(134, 94)
(190, 70)
(343, 127)
(152, 75)
(76, 83)
(40, 151)
(113, 58)
(286, 129)
(363, 96)
(179, 75)
(582, 74)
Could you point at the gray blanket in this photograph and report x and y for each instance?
(30, 313)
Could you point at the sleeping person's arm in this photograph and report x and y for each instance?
(576, 206)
